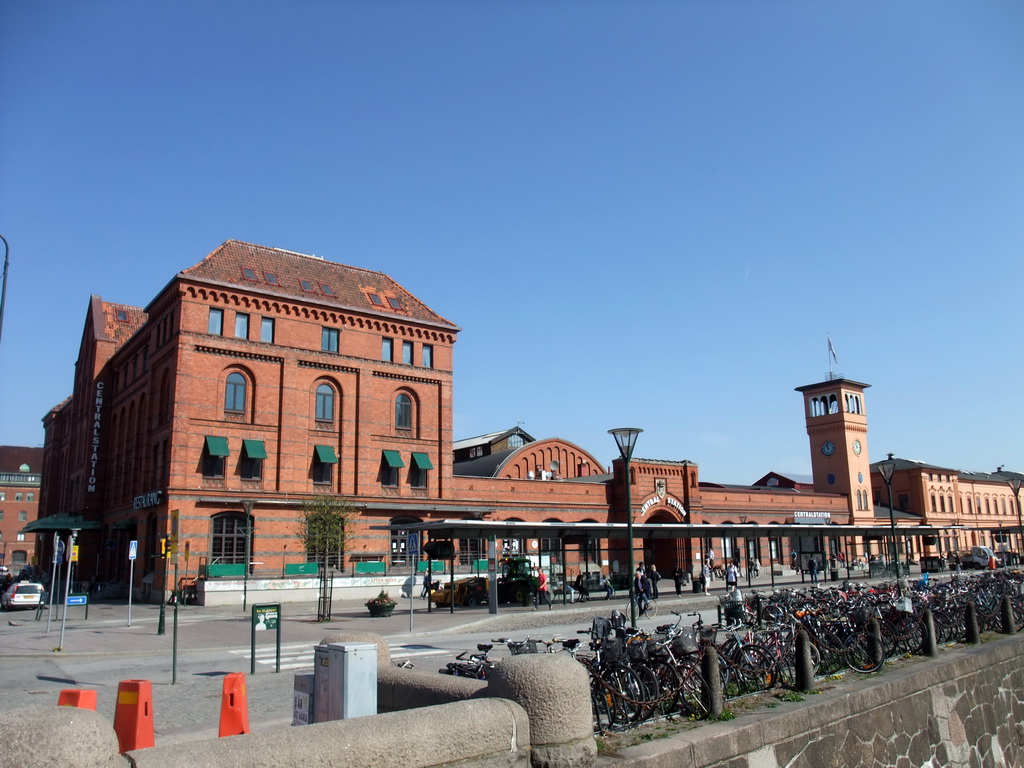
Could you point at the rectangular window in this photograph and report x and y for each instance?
(270, 278)
(32, 497)
(326, 289)
(329, 340)
(306, 285)
(427, 355)
(22, 516)
(395, 303)
(215, 325)
(18, 497)
(3, 496)
(418, 470)
(387, 349)
(1, 515)
(215, 453)
(241, 325)
(390, 463)
(253, 454)
(267, 329)
(248, 273)
(376, 300)
(407, 352)
(324, 460)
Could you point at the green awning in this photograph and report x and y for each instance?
(393, 459)
(62, 522)
(217, 446)
(325, 454)
(421, 461)
(254, 449)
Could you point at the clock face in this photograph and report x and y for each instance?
(828, 447)
(856, 447)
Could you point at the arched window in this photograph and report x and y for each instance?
(234, 393)
(403, 412)
(325, 403)
(227, 540)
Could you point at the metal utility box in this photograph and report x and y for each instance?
(345, 681)
(302, 700)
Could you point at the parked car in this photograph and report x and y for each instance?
(979, 557)
(23, 594)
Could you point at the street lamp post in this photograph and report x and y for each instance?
(625, 439)
(885, 469)
(1015, 483)
(247, 505)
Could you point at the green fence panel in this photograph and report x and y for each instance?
(370, 568)
(221, 570)
(303, 569)
(436, 566)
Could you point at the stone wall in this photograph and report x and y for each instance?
(965, 708)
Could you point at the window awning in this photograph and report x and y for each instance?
(393, 459)
(325, 454)
(421, 461)
(254, 449)
(217, 446)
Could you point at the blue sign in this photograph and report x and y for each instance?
(76, 600)
(412, 546)
(133, 549)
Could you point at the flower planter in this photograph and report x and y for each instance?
(378, 610)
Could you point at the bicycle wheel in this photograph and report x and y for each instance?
(628, 693)
(863, 653)
(692, 701)
(669, 684)
(651, 610)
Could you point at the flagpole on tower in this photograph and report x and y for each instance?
(831, 356)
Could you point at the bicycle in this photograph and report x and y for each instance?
(650, 610)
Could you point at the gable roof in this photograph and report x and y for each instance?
(490, 438)
(346, 287)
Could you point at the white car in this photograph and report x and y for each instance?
(24, 594)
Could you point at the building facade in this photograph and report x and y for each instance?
(20, 481)
(260, 379)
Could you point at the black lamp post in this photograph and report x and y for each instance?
(625, 438)
(247, 505)
(3, 290)
(885, 469)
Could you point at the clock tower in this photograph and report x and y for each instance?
(837, 427)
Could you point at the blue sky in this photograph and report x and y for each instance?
(641, 214)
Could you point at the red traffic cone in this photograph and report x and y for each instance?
(133, 715)
(76, 697)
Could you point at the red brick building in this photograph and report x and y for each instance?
(260, 378)
(20, 480)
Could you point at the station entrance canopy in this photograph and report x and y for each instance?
(482, 529)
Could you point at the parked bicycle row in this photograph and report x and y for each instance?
(638, 675)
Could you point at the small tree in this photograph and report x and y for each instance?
(324, 524)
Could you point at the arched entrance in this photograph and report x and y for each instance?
(667, 553)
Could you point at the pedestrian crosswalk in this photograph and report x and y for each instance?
(298, 656)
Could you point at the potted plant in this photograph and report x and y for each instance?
(381, 605)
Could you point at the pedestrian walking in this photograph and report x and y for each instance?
(812, 569)
(705, 577)
(542, 592)
(732, 574)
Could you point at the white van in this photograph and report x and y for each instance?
(980, 557)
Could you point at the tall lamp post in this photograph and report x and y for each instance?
(625, 439)
(247, 505)
(885, 469)
(1015, 487)
(3, 290)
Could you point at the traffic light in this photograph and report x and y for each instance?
(163, 546)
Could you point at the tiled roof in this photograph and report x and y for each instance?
(120, 322)
(13, 456)
(350, 287)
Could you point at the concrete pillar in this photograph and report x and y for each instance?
(555, 692)
(33, 737)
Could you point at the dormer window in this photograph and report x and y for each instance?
(395, 303)
(326, 289)
(122, 316)
(271, 278)
(306, 285)
(248, 274)
(376, 300)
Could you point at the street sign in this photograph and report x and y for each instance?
(74, 553)
(58, 548)
(76, 600)
(412, 545)
(133, 550)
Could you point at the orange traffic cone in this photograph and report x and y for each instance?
(234, 708)
(133, 715)
(75, 697)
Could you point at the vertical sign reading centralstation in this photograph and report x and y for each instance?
(94, 443)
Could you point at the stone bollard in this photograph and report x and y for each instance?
(971, 632)
(45, 736)
(1006, 615)
(804, 673)
(711, 681)
(929, 644)
(555, 692)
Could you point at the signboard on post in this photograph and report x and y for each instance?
(133, 550)
(412, 545)
(265, 616)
